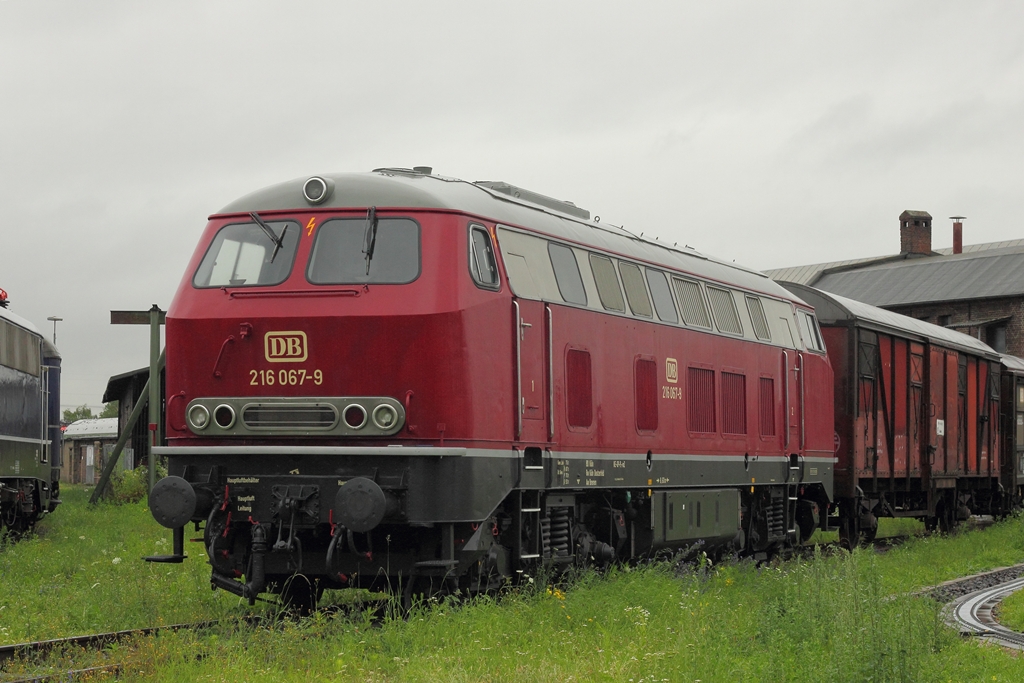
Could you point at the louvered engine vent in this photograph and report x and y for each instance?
(290, 415)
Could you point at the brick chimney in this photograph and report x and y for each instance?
(958, 233)
(916, 233)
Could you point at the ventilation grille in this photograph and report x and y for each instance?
(724, 306)
(767, 407)
(691, 303)
(734, 403)
(646, 389)
(290, 416)
(758, 319)
(579, 403)
(701, 397)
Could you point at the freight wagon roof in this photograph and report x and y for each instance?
(833, 308)
(402, 188)
(1012, 363)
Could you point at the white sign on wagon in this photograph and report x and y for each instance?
(940, 427)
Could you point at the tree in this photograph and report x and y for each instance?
(82, 412)
(109, 409)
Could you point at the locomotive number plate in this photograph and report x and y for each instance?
(296, 377)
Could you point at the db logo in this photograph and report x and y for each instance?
(285, 347)
(671, 370)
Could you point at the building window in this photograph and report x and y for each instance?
(944, 320)
(995, 336)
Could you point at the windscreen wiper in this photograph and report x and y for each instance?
(278, 241)
(370, 236)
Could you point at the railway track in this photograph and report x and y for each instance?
(973, 615)
(97, 641)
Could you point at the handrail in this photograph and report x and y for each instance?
(520, 401)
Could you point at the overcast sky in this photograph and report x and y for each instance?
(774, 134)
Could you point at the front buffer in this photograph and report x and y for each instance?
(383, 518)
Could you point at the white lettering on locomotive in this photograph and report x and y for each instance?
(285, 347)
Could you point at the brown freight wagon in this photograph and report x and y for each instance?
(916, 417)
(1011, 422)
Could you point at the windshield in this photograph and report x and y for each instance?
(339, 252)
(243, 255)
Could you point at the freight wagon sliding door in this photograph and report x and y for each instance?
(944, 423)
(866, 421)
(983, 458)
(531, 363)
(917, 414)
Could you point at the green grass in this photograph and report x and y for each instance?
(1011, 611)
(846, 617)
(84, 564)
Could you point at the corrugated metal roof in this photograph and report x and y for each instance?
(977, 275)
(95, 428)
(830, 308)
(806, 275)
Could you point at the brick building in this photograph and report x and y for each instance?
(977, 289)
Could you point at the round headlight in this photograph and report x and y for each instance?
(198, 417)
(316, 190)
(355, 416)
(224, 416)
(385, 416)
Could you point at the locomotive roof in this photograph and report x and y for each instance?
(832, 308)
(501, 203)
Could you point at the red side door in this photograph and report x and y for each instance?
(530, 325)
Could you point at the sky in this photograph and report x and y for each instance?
(772, 134)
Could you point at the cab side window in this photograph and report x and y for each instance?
(481, 259)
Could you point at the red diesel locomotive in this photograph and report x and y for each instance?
(402, 379)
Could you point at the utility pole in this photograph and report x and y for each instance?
(54, 319)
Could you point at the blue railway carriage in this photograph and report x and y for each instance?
(29, 424)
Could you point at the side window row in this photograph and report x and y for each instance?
(693, 307)
(545, 269)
